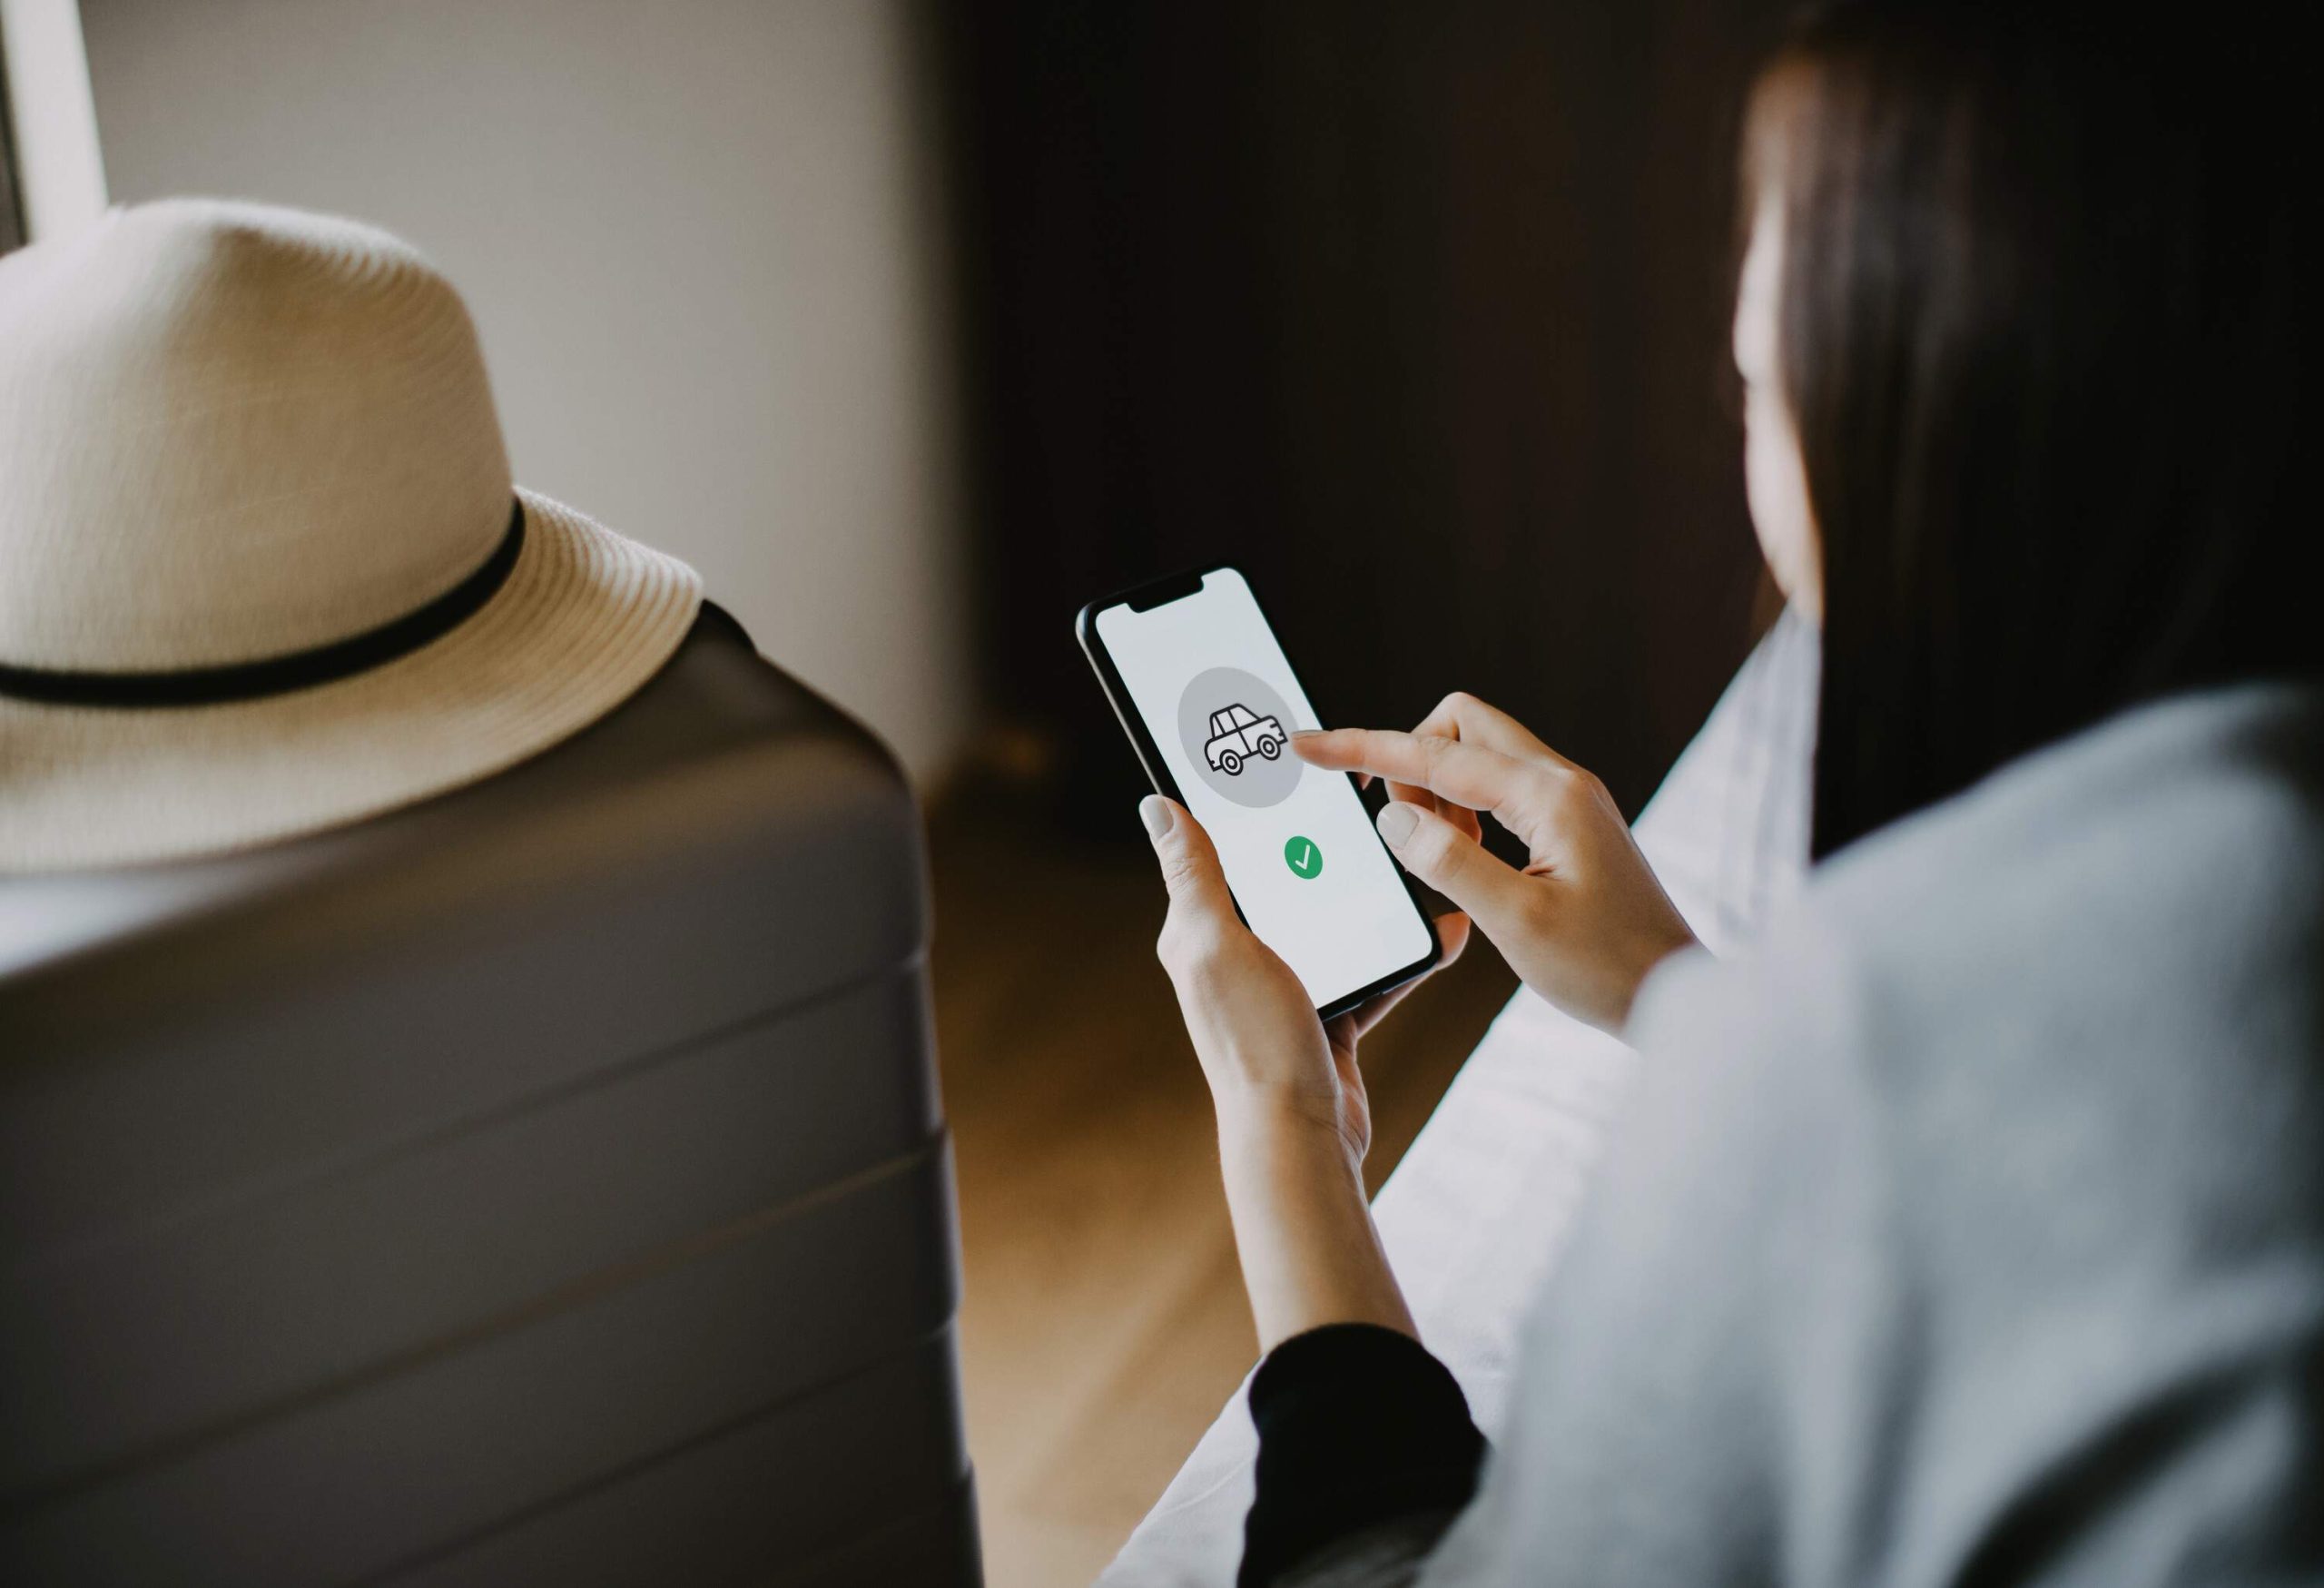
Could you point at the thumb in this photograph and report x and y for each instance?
(1190, 870)
(1456, 865)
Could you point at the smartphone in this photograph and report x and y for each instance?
(1202, 686)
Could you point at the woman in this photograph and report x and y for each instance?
(1973, 1230)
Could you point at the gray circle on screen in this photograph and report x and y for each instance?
(1237, 733)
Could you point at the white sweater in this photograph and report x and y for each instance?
(1972, 1228)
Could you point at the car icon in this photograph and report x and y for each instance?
(1237, 733)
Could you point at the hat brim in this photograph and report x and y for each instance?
(584, 619)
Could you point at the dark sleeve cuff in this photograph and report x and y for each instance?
(1358, 1425)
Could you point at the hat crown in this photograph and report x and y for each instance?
(230, 433)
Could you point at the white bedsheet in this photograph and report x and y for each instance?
(1475, 1214)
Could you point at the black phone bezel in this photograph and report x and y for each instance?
(1160, 592)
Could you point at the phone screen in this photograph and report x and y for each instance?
(1218, 701)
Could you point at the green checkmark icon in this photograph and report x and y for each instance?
(1304, 858)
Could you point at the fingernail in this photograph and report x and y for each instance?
(1397, 821)
(1298, 734)
(1155, 812)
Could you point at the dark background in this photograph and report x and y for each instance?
(1416, 312)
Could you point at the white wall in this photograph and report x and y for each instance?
(59, 176)
(698, 237)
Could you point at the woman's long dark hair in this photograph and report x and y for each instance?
(2045, 330)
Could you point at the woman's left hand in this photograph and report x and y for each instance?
(1264, 1052)
(1293, 1123)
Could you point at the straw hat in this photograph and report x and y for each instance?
(262, 569)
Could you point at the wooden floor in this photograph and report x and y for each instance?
(1104, 1323)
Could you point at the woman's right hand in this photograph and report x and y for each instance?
(1586, 919)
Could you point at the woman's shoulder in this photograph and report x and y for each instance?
(2211, 803)
(2178, 840)
(2136, 914)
